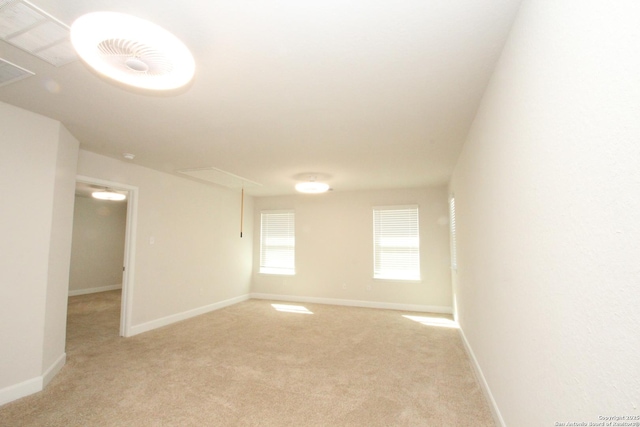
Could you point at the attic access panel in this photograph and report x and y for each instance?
(220, 177)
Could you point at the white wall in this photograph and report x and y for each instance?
(197, 259)
(548, 200)
(37, 157)
(334, 247)
(63, 185)
(97, 250)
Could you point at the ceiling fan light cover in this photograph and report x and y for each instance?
(132, 51)
(108, 195)
(312, 187)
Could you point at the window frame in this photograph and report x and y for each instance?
(380, 272)
(274, 268)
(453, 233)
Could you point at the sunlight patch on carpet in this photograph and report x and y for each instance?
(433, 321)
(291, 308)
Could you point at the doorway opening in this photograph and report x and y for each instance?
(126, 259)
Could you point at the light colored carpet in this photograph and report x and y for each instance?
(250, 365)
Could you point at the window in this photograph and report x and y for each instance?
(277, 242)
(396, 243)
(452, 228)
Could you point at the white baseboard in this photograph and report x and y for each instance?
(168, 320)
(94, 290)
(497, 416)
(34, 385)
(16, 391)
(54, 369)
(356, 303)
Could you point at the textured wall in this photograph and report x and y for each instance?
(547, 194)
(59, 253)
(37, 170)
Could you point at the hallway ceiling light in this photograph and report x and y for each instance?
(132, 51)
(108, 194)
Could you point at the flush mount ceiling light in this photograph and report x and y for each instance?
(312, 187)
(132, 51)
(108, 194)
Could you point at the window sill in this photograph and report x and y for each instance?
(262, 273)
(378, 279)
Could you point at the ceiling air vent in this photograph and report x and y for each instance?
(31, 29)
(10, 73)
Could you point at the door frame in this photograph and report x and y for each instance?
(128, 273)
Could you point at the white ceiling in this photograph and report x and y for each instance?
(366, 94)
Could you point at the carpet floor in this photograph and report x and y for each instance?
(252, 365)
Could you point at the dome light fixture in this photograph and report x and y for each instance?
(132, 51)
(108, 194)
(312, 187)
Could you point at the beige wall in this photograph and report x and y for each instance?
(197, 258)
(37, 166)
(97, 253)
(547, 195)
(334, 248)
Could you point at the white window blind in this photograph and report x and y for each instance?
(277, 242)
(396, 243)
(452, 227)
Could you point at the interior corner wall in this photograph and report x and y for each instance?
(97, 250)
(189, 256)
(334, 250)
(60, 253)
(547, 199)
(35, 163)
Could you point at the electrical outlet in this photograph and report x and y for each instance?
(344, 286)
(368, 287)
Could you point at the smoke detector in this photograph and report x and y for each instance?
(132, 51)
